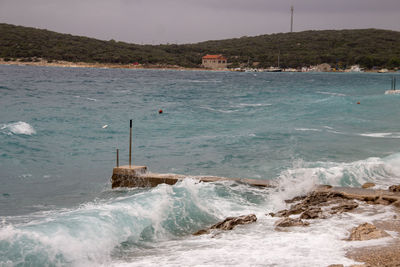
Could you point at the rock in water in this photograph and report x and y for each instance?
(368, 185)
(344, 207)
(394, 188)
(288, 222)
(366, 231)
(312, 213)
(229, 223)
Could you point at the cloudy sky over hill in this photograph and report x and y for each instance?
(183, 21)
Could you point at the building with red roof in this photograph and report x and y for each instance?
(214, 62)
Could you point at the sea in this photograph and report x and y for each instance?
(60, 128)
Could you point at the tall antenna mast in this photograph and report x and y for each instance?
(291, 18)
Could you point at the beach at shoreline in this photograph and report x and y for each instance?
(382, 255)
(68, 64)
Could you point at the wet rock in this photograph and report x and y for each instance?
(325, 186)
(310, 206)
(288, 222)
(318, 198)
(367, 185)
(366, 231)
(394, 188)
(281, 213)
(370, 199)
(229, 223)
(312, 213)
(381, 201)
(202, 232)
(295, 199)
(344, 207)
(297, 209)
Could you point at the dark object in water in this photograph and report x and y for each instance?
(229, 223)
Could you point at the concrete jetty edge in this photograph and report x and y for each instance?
(139, 176)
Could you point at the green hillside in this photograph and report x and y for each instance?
(367, 47)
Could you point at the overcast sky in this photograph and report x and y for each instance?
(188, 21)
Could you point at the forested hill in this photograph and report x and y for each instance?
(367, 47)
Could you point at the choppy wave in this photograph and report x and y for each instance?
(303, 176)
(19, 127)
(96, 233)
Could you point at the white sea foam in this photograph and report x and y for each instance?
(258, 244)
(254, 105)
(19, 127)
(219, 110)
(303, 175)
(327, 127)
(308, 129)
(381, 135)
(330, 93)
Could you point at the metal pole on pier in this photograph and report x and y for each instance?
(392, 83)
(130, 143)
(117, 157)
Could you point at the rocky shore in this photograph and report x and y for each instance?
(325, 202)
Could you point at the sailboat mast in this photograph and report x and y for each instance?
(279, 55)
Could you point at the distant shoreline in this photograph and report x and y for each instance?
(68, 64)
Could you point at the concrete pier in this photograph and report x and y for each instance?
(139, 176)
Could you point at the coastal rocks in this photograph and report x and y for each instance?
(366, 231)
(312, 213)
(367, 185)
(288, 222)
(316, 205)
(344, 207)
(310, 206)
(394, 188)
(229, 223)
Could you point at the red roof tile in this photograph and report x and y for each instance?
(214, 57)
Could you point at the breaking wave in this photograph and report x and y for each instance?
(19, 127)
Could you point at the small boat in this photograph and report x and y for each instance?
(273, 69)
(383, 71)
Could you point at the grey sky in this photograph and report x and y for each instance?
(184, 21)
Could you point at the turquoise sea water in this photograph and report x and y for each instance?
(56, 157)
